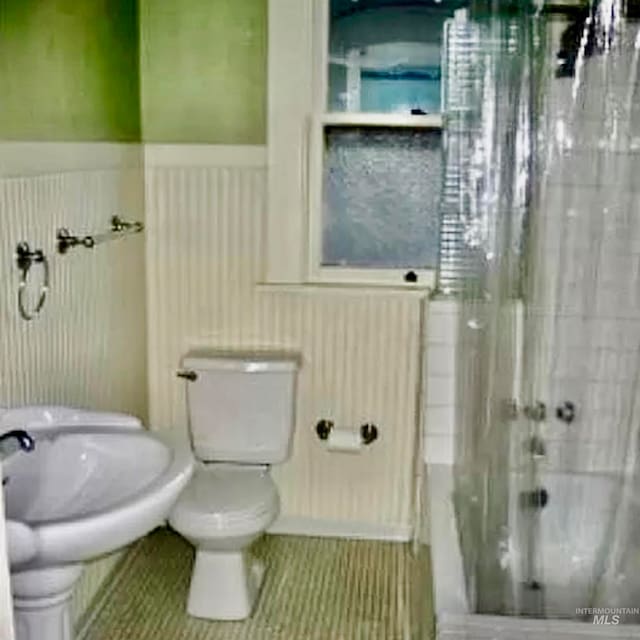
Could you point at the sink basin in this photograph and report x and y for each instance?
(94, 483)
(82, 494)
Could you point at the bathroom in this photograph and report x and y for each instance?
(449, 466)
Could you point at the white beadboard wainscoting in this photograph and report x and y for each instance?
(360, 347)
(88, 346)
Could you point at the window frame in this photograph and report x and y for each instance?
(303, 264)
(325, 274)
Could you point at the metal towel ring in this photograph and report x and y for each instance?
(25, 259)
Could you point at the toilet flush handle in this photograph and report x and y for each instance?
(192, 376)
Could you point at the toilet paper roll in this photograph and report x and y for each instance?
(344, 440)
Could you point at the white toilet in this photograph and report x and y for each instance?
(241, 414)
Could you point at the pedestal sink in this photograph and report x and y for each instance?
(94, 483)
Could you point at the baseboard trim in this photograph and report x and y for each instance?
(290, 525)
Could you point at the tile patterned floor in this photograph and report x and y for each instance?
(315, 589)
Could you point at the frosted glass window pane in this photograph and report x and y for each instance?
(381, 195)
(385, 57)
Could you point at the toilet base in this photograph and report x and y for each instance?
(224, 585)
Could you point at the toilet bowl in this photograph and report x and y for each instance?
(224, 509)
(241, 416)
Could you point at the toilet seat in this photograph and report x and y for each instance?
(223, 500)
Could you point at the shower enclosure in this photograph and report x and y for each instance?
(540, 246)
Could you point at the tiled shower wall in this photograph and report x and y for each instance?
(584, 327)
(582, 333)
(360, 349)
(88, 346)
(582, 322)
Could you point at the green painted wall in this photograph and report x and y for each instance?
(69, 70)
(203, 71)
(79, 70)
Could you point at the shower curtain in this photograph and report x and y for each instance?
(541, 244)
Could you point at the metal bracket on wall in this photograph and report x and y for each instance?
(119, 228)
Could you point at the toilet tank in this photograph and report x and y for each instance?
(241, 405)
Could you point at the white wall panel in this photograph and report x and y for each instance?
(88, 346)
(360, 349)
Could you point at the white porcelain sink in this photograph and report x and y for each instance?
(94, 483)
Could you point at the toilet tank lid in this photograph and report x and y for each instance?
(256, 361)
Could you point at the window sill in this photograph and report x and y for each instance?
(305, 288)
(349, 118)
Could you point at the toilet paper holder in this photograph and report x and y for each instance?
(368, 431)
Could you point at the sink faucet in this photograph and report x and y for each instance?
(15, 440)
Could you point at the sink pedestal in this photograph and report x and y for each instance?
(42, 602)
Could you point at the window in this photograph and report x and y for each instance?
(355, 142)
(380, 189)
